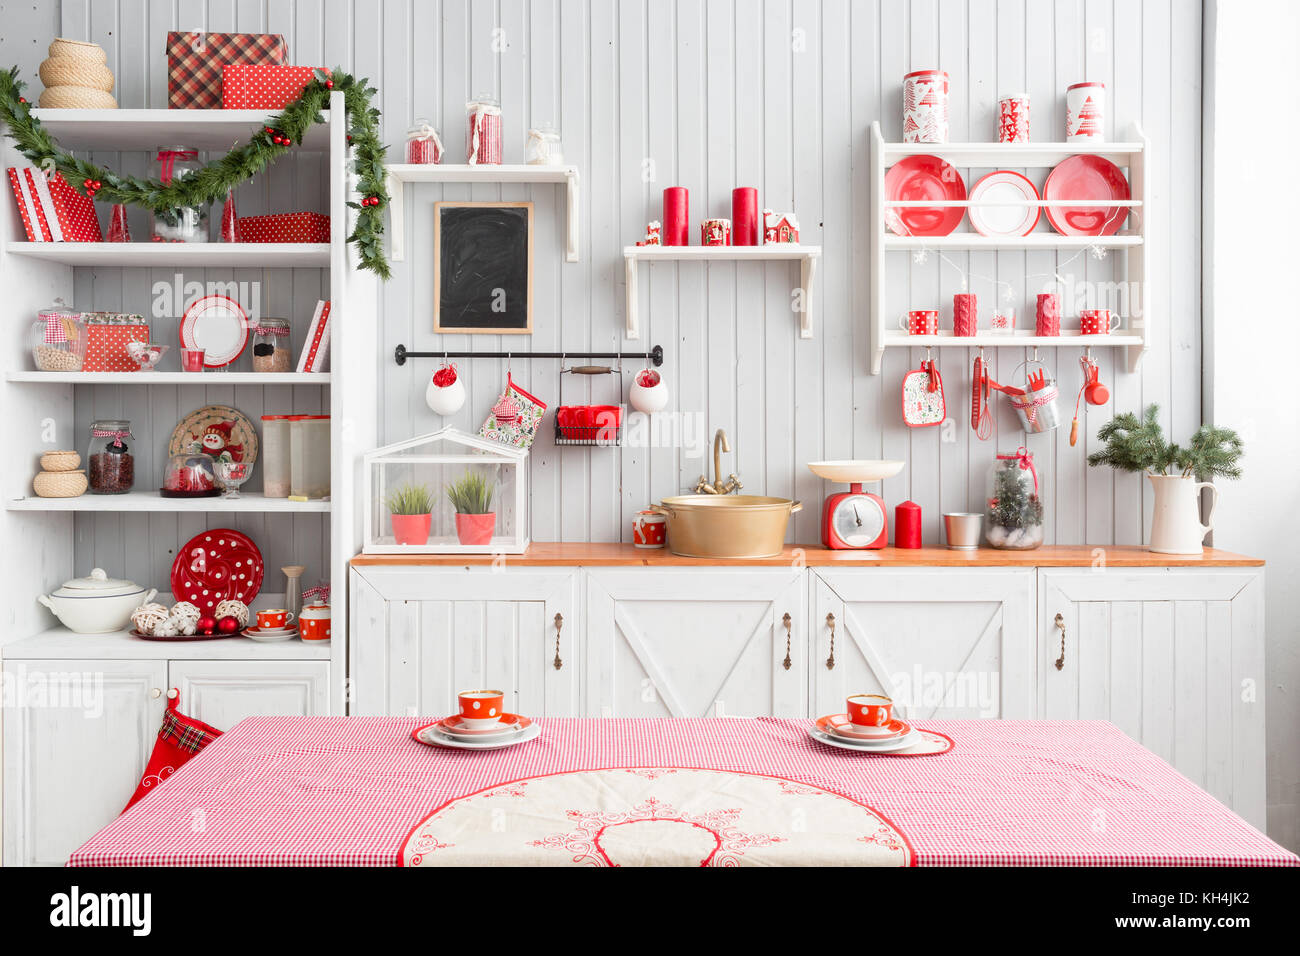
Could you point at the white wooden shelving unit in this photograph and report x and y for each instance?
(1131, 242)
(400, 173)
(40, 404)
(808, 258)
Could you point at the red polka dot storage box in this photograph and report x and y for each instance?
(248, 86)
(107, 334)
(284, 227)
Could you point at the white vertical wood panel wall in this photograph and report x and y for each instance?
(709, 94)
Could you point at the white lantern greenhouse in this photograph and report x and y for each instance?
(446, 493)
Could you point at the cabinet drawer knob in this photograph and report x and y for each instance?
(1060, 661)
(559, 623)
(830, 661)
(786, 621)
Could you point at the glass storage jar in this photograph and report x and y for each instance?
(58, 339)
(423, 147)
(181, 223)
(275, 456)
(271, 345)
(309, 456)
(189, 475)
(544, 147)
(1013, 513)
(483, 131)
(110, 466)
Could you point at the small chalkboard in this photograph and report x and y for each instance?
(483, 267)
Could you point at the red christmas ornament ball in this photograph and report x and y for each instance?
(206, 624)
(228, 624)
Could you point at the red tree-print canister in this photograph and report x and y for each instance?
(677, 210)
(1013, 118)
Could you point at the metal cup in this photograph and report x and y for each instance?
(962, 530)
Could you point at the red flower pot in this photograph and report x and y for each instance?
(412, 529)
(475, 529)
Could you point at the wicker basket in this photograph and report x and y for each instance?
(71, 71)
(60, 484)
(60, 461)
(76, 98)
(81, 49)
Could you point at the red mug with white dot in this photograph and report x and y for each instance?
(1097, 322)
(480, 709)
(920, 322)
(649, 530)
(869, 710)
(274, 618)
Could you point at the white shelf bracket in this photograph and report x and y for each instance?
(396, 219)
(630, 267)
(807, 284)
(571, 253)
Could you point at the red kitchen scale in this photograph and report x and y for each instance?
(855, 519)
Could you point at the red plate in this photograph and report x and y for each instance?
(215, 565)
(509, 722)
(839, 725)
(218, 325)
(924, 177)
(1086, 178)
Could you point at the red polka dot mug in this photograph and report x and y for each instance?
(480, 709)
(869, 710)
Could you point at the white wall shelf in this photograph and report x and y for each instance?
(197, 255)
(808, 258)
(59, 643)
(146, 501)
(199, 379)
(120, 130)
(1131, 154)
(400, 173)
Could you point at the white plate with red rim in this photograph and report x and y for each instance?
(841, 726)
(218, 325)
(993, 219)
(454, 725)
(431, 735)
(866, 746)
(269, 635)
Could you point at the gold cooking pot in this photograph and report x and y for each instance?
(726, 526)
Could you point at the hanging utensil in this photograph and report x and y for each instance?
(981, 412)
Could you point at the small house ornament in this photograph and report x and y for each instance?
(653, 235)
(780, 229)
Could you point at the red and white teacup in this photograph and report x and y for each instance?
(274, 618)
(1098, 322)
(480, 709)
(920, 322)
(649, 530)
(869, 710)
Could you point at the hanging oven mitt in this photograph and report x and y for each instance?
(923, 396)
(514, 418)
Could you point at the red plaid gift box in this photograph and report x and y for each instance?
(106, 336)
(195, 61)
(285, 227)
(248, 86)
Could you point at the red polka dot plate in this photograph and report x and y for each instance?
(215, 565)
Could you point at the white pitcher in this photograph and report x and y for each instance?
(1176, 524)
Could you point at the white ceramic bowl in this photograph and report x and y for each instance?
(849, 472)
(96, 604)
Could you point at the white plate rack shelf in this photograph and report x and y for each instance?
(44, 410)
(973, 159)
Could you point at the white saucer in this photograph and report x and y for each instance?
(866, 746)
(270, 637)
(432, 736)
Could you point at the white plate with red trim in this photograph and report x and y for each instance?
(454, 725)
(432, 736)
(992, 219)
(841, 726)
(865, 746)
(270, 635)
(218, 325)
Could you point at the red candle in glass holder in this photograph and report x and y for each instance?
(677, 210)
(907, 525)
(744, 216)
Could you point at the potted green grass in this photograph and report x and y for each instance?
(471, 496)
(411, 507)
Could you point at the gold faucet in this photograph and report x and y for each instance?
(718, 486)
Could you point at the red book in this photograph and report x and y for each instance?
(40, 190)
(74, 213)
(26, 206)
(317, 345)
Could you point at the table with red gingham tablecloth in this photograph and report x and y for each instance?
(361, 791)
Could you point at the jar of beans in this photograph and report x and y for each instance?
(271, 345)
(58, 340)
(110, 466)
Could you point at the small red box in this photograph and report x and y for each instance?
(106, 344)
(250, 86)
(284, 227)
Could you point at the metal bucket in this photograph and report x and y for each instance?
(1037, 408)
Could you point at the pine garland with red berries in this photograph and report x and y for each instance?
(213, 182)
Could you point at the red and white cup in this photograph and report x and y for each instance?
(965, 321)
(920, 322)
(649, 530)
(925, 107)
(1048, 316)
(1013, 118)
(481, 709)
(274, 619)
(715, 232)
(1085, 112)
(1004, 320)
(869, 710)
(1098, 322)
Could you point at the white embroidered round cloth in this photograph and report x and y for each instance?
(655, 816)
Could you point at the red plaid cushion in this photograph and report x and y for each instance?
(194, 62)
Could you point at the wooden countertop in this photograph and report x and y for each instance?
(577, 554)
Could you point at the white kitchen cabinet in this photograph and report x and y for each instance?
(75, 753)
(942, 642)
(423, 634)
(222, 693)
(1174, 658)
(696, 642)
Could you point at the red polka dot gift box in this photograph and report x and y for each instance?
(284, 227)
(107, 334)
(246, 86)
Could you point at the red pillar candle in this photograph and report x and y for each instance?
(964, 322)
(677, 216)
(907, 525)
(744, 216)
(1049, 314)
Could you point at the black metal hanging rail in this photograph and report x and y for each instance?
(655, 356)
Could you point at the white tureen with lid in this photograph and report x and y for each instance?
(97, 604)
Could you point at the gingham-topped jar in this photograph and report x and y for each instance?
(58, 339)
